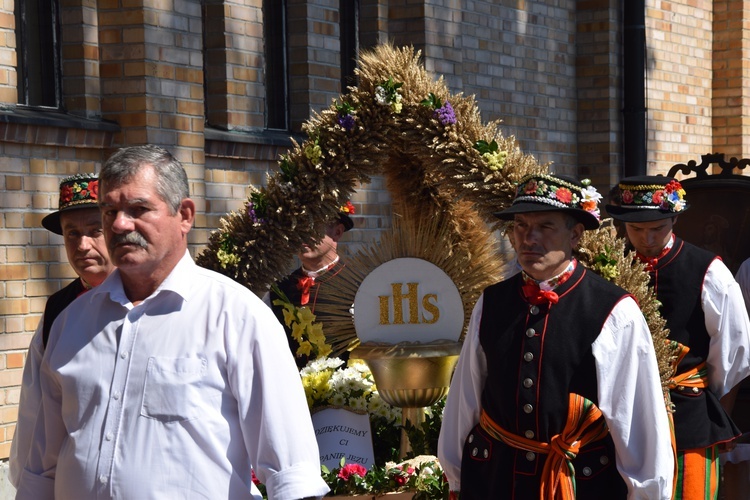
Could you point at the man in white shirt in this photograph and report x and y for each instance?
(705, 314)
(557, 389)
(79, 222)
(172, 381)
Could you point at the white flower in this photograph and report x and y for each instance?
(590, 193)
(338, 399)
(380, 96)
(358, 404)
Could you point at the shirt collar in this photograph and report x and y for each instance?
(322, 270)
(178, 281)
(555, 281)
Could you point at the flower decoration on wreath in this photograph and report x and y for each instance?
(441, 163)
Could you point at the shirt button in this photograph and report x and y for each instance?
(604, 460)
(486, 453)
(474, 452)
(124, 355)
(529, 434)
(527, 382)
(528, 356)
(530, 332)
(109, 436)
(103, 479)
(587, 471)
(471, 438)
(530, 456)
(116, 395)
(534, 310)
(528, 408)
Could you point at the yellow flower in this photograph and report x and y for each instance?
(288, 315)
(298, 330)
(315, 334)
(495, 160)
(396, 107)
(305, 348)
(226, 259)
(324, 350)
(305, 316)
(313, 153)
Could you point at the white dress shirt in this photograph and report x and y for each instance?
(743, 278)
(177, 397)
(727, 323)
(28, 406)
(630, 398)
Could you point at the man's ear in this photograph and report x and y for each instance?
(187, 213)
(336, 231)
(576, 233)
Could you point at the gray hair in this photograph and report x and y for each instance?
(171, 178)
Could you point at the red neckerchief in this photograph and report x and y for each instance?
(535, 295)
(305, 283)
(652, 261)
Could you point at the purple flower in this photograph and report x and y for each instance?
(445, 114)
(251, 213)
(346, 121)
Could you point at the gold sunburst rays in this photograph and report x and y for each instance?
(469, 257)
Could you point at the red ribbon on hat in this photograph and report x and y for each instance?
(534, 295)
(304, 285)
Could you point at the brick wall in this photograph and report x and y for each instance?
(730, 65)
(679, 40)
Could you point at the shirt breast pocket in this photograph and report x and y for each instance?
(171, 392)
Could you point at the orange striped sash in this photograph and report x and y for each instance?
(585, 424)
(695, 377)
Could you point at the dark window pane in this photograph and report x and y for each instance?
(274, 25)
(349, 42)
(38, 53)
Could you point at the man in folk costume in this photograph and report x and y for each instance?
(557, 391)
(79, 222)
(320, 265)
(705, 313)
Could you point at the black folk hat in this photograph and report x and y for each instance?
(76, 192)
(547, 193)
(648, 198)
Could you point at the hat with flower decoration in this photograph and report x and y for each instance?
(648, 198)
(344, 212)
(546, 193)
(77, 191)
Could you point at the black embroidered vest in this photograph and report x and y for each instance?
(56, 303)
(536, 360)
(678, 278)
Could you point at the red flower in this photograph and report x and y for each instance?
(348, 208)
(658, 197)
(672, 186)
(627, 197)
(349, 469)
(94, 188)
(400, 480)
(564, 195)
(530, 187)
(66, 193)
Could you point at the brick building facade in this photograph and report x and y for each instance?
(224, 84)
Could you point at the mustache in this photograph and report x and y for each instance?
(131, 238)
